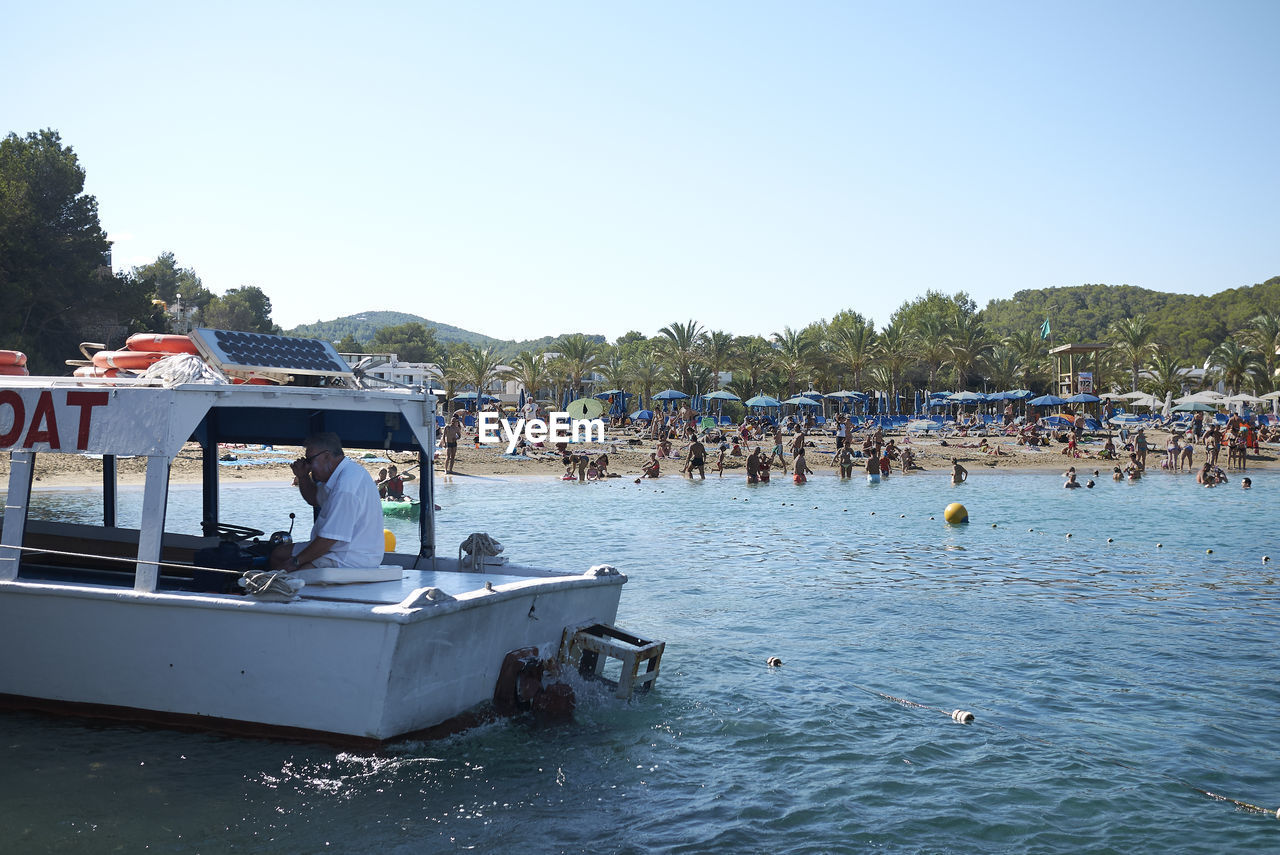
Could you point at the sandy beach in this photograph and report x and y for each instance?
(627, 451)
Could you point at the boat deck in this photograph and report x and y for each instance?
(453, 583)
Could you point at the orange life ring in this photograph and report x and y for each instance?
(94, 371)
(13, 371)
(151, 342)
(135, 359)
(12, 358)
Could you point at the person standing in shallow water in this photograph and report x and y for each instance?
(958, 473)
(696, 460)
(802, 468)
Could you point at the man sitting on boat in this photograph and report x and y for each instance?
(348, 529)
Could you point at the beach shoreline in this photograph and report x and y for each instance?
(933, 456)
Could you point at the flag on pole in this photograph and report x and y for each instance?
(1044, 329)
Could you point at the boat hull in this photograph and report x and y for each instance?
(363, 671)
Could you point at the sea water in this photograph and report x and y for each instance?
(1119, 672)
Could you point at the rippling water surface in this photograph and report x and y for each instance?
(1112, 683)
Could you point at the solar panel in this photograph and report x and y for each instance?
(261, 353)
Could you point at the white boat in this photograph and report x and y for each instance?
(106, 621)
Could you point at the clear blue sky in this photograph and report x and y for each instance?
(527, 169)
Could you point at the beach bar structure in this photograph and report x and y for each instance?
(1070, 361)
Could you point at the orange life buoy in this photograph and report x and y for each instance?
(13, 358)
(151, 342)
(94, 371)
(135, 359)
(13, 371)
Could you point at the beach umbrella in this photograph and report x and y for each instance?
(585, 408)
(1195, 407)
(1018, 394)
(1133, 396)
(1047, 401)
(722, 395)
(1144, 400)
(915, 410)
(1083, 398)
(604, 396)
(1126, 419)
(670, 395)
(642, 415)
(967, 397)
(801, 400)
(520, 405)
(763, 401)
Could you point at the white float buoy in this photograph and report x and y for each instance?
(962, 716)
(774, 662)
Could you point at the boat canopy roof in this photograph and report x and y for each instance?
(145, 418)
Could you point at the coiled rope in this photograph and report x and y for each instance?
(478, 545)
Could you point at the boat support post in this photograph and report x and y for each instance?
(427, 500)
(109, 491)
(22, 466)
(155, 498)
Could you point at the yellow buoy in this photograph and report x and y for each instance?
(388, 540)
(955, 513)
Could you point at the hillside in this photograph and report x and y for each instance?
(1190, 325)
(363, 326)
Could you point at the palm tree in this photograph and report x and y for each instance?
(579, 354)
(612, 366)
(1166, 375)
(969, 346)
(719, 351)
(1134, 340)
(450, 371)
(681, 346)
(754, 358)
(893, 353)
(794, 354)
(1032, 354)
(479, 366)
(853, 347)
(644, 372)
(1263, 334)
(1005, 366)
(933, 346)
(1235, 363)
(531, 371)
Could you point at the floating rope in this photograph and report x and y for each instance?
(966, 717)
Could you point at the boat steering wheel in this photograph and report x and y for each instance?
(237, 533)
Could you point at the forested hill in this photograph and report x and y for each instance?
(364, 326)
(1187, 324)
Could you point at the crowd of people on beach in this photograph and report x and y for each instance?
(763, 446)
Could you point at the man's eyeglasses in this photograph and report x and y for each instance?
(308, 460)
